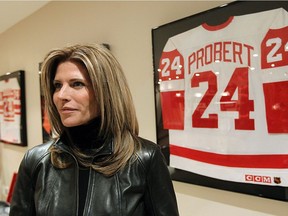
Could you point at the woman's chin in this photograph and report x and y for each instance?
(72, 123)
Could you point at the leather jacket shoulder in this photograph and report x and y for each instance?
(142, 188)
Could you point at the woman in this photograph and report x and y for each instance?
(97, 165)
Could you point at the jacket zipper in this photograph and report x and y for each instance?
(88, 193)
(77, 175)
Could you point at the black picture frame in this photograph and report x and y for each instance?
(160, 36)
(13, 129)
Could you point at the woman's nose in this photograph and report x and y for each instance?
(64, 93)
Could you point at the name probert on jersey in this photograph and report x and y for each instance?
(226, 51)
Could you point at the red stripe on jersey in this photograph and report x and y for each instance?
(172, 104)
(276, 104)
(276, 161)
(218, 27)
(17, 106)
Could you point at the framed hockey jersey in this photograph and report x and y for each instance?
(221, 95)
(12, 109)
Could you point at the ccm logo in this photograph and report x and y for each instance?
(256, 178)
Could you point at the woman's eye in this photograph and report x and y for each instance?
(57, 86)
(78, 84)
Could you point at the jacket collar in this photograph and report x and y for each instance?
(106, 149)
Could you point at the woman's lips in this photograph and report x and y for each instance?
(67, 110)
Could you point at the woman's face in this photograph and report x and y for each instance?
(73, 96)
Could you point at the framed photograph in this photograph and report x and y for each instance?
(221, 86)
(13, 109)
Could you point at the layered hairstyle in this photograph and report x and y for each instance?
(113, 96)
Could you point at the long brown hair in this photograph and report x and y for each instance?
(115, 104)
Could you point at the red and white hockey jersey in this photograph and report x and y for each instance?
(10, 111)
(224, 98)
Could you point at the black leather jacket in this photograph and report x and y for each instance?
(142, 188)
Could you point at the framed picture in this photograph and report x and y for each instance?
(13, 109)
(221, 86)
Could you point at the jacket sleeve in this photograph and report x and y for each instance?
(22, 200)
(160, 199)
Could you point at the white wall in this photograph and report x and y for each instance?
(126, 26)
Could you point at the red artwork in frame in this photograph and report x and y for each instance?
(13, 109)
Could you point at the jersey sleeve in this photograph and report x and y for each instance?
(171, 81)
(274, 65)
